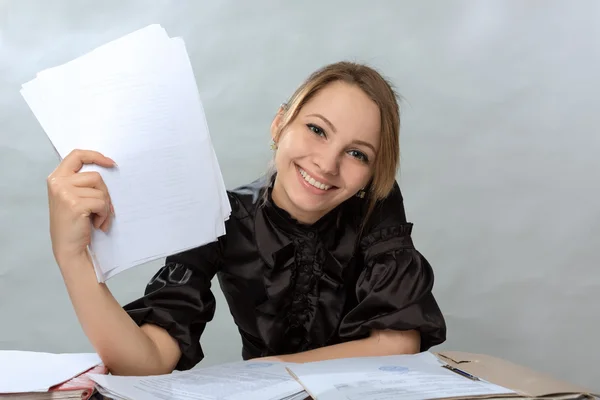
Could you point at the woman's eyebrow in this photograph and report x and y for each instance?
(328, 122)
(366, 144)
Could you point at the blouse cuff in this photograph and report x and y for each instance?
(191, 351)
(423, 317)
(385, 240)
(394, 291)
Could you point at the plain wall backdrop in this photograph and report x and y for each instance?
(499, 143)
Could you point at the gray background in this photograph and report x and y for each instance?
(499, 149)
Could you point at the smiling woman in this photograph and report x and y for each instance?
(317, 262)
(326, 154)
(354, 117)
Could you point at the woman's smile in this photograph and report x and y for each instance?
(317, 186)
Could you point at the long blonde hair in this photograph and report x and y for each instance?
(383, 94)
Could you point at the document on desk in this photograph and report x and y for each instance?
(405, 377)
(135, 99)
(29, 371)
(244, 380)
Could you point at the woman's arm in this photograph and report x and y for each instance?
(124, 347)
(379, 343)
(76, 201)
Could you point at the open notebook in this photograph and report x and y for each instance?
(136, 101)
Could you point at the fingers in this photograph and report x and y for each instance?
(90, 179)
(105, 225)
(91, 193)
(98, 221)
(77, 158)
(88, 206)
(91, 185)
(85, 193)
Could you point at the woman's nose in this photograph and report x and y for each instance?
(329, 162)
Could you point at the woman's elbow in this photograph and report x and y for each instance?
(398, 342)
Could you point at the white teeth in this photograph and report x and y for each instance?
(312, 180)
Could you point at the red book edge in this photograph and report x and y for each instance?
(81, 382)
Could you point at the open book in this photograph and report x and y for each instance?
(135, 100)
(401, 377)
(444, 375)
(232, 381)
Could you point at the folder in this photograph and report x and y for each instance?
(80, 387)
(527, 383)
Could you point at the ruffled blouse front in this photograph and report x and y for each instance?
(292, 287)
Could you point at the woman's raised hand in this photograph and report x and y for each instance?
(75, 199)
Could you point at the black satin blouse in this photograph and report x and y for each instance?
(293, 287)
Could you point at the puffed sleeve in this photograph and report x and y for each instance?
(394, 289)
(179, 299)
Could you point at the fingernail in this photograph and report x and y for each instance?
(112, 210)
(113, 161)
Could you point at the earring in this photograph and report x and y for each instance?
(273, 146)
(361, 194)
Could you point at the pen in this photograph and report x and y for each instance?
(461, 372)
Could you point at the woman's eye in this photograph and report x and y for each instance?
(359, 155)
(316, 130)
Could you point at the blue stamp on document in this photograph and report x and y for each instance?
(393, 368)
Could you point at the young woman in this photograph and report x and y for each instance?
(317, 261)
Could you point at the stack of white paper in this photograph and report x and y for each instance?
(246, 380)
(29, 371)
(136, 101)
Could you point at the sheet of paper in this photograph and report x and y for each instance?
(27, 371)
(136, 100)
(124, 107)
(54, 107)
(406, 377)
(219, 225)
(233, 381)
(144, 40)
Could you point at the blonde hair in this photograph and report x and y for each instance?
(383, 94)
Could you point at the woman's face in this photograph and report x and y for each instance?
(326, 155)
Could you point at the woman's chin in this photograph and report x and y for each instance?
(312, 208)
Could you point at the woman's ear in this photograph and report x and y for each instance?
(275, 125)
